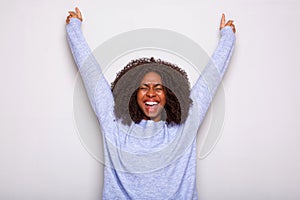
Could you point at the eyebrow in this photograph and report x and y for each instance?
(147, 85)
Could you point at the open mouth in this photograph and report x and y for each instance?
(151, 106)
(151, 103)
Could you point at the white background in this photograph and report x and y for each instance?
(257, 156)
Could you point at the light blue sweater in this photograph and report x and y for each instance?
(149, 160)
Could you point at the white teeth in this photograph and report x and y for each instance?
(151, 103)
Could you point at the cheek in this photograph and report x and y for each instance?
(139, 97)
(163, 99)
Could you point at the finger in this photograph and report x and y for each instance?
(233, 27)
(73, 14)
(229, 23)
(222, 23)
(78, 13)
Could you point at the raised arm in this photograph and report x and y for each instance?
(97, 88)
(205, 88)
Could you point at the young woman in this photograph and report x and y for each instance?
(149, 118)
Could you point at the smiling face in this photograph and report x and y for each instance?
(151, 96)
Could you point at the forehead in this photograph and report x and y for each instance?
(152, 77)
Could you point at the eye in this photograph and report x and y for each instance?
(159, 89)
(143, 88)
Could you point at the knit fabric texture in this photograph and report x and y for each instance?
(148, 160)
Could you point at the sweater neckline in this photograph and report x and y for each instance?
(147, 128)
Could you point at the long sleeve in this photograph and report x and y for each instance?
(96, 85)
(205, 88)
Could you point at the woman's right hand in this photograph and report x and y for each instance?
(228, 23)
(73, 14)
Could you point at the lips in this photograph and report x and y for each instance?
(151, 103)
(151, 106)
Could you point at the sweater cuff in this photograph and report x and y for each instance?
(74, 22)
(227, 30)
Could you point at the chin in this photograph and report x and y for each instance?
(155, 116)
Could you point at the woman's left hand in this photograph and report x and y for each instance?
(72, 14)
(228, 23)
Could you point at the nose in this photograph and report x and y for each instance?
(151, 92)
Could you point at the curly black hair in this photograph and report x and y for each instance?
(175, 84)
